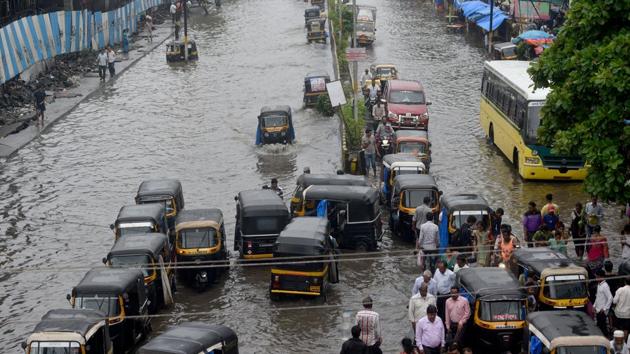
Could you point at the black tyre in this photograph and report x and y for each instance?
(515, 158)
(362, 247)
(491, 134)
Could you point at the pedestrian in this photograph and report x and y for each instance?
(370, 324)
(369, 149)
(577, 230)
(418, 305)
(102, 63)
(420, 215)
(426, 278)
(274, 187)
(125, 41)
(354, 345)
(378, 111)
(549, 204)
(597, 249)
(445, 279)
(429, 241)
(148, 25)
(531, 223)
(111, 59)
(557, 242)
(373, 91)
(614, 282)
(430, 332)
(621, 300)
(532, 288)
(483, 243)
(457, 314)
(496, 218)
(542, 236)
(551, 219)
(453, 349)
(505, 245)
(365, 77)
(463, 238)
(618, 345)
(450, 258)
(408, 347)
(39, 97)
(462, 262)
(603, 301)
(594, 214)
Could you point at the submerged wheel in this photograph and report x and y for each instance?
(491, 134)
(362, 247)
(515, 162)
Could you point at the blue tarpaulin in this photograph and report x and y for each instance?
(479, 12)
(322, 209)
(443, 229)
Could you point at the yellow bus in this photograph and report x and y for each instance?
(510, 116)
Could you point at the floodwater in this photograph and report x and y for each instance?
(197, 124)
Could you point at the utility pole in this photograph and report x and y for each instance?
(490, 28)
(355, 65)
(185, 4)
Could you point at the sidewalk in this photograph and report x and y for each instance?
(89, 85)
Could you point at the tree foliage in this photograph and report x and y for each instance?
(588, 70)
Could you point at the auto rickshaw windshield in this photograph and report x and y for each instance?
(590, 349)
(407, 97)
(365, 27)
(501, 311)
(408, 147)
(412, 198)
(274, 121)
(384, 71)
(460, 216)
(55, 348)
(565, 286)
(135, 228)
(107, 304)
(198, 238)
(263, 225)
(141, 261)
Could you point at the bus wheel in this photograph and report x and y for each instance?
(515, 159)
(491, 134)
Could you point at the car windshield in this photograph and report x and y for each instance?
(565, 287)
(264, 225)
(590, 349)
(407, 97)
(55, 348)
(198, 238)
(140, 261)
(365, 27)
(499, 311)
(460, 216)
(274, 121)
(106, 304)
(530, 133)
(414, 197)
(408, 147)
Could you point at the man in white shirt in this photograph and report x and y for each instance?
(111, 59)
(426, 278)
(366, 76)
(428, 241)
(618, 344)
(102, 64)
(622, 307)
(445, 279)
(370, 324)
(603, 301)
(418, 305)
(461, 263)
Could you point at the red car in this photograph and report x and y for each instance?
(406, 104)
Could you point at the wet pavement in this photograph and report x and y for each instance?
(197, 123)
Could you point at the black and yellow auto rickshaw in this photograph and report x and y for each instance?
(311, 13)
(354, 213)
(151, 253)
(395, 165)
(561, 283)
(498, 306)
(504, 51)
(564, 332)
(275, 126)
(140, 219)
(70, 331)
(166, 192)
(175, 52)
(408, 193)
(260, 216)
(200, 238)
(117, 293)
(306, 180)
(314, 87)
(458, 207)
(305, 238)
(316, 30)
(193, 338)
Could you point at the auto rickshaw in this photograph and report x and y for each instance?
(415, 142)
(384, 71)
(140, 219)
(498, 306)
(353, 211)
(117, 293)
(200, 237)
(193, 338)
(175, 52)
(260, 216)
(70, 331)
(275, 126)
(395, 165)
(311, 13)
(314, 87)
(306, 180)
(408, 193)
(458, 207)
(504, 51)
(151, 253)
(166, 192)
(561, 283)
(316, 30)
(308, 238)
(565, 332)
(318, 3)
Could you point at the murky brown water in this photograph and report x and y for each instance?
(197, 124)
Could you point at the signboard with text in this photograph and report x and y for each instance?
(356, 54)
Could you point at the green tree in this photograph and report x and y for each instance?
(588, 71)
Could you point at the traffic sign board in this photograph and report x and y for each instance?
(356, 54)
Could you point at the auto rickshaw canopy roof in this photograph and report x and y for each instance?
(261, 202)
(192, 338)
(310, 11)
(275, 110)
(537, 259)
(359, 194)
(501, 46)
(74, 321)
(565, 328)
(304, 236)
(491, 283)
(416, 181)
(114, 281)
(412, 133)
(390, 159)
(464, 202)
(140, 212)
(157, 189)
(307, 180)
(150, 243)
(199, 218)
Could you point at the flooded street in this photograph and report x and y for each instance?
(197, 124)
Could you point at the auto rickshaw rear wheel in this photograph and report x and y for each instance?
(361, 247)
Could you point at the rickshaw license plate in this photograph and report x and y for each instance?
(314, 289)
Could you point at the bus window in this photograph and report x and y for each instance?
(532, 122)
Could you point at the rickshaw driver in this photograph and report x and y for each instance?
(505, 246)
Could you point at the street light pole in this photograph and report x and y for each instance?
(490, 28)
(355, 64)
